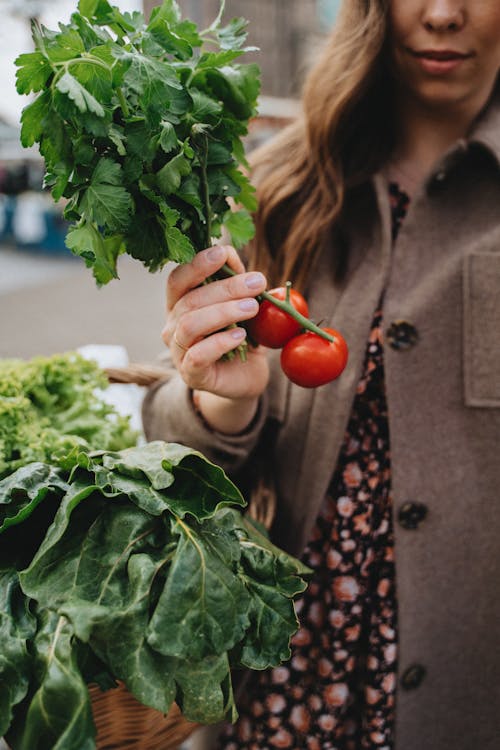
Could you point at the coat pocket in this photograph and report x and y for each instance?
(482, 329)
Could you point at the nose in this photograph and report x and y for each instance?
(444, 15)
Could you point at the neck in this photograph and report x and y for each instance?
(424, 135)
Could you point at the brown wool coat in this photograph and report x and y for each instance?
(443, 393)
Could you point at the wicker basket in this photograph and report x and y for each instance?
(125, 724)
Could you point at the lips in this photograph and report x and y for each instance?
(440, 55)
(439, 62)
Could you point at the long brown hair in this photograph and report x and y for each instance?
(341, 138)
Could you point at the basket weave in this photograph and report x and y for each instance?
(125, 724)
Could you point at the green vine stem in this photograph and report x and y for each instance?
(287, 307)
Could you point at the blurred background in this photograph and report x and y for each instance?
(48, 299)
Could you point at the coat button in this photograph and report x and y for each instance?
(411, 515)
(413, 677)
(402, 335)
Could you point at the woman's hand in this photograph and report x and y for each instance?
(197, 315)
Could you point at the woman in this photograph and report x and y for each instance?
(383, 204)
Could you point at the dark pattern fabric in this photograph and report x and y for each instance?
(338, 690)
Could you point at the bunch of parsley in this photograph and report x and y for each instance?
(140, 126)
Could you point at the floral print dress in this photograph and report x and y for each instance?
(338, 690)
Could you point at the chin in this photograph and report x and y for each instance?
(437, 96)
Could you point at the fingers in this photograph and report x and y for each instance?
(199, 364)
(193, 326)
(244, 285)
(188, 276)
(195, 310)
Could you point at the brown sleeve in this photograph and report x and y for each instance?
(168, 414)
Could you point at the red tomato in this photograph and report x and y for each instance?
(309, 360)
(273, 327)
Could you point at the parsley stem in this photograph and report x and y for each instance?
(123, 101)
(217, 21)
(206, 192)
(84, 59)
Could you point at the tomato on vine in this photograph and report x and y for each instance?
(310, 360)
(273, 327)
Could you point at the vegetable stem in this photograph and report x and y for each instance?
(287, 307)
(217, 21)
(123, 101)
(206, 192)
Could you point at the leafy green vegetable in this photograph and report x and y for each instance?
(145, 571)
(50, 406)
(141, 128)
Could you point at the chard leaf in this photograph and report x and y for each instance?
(22, 491)
(81, 96)
(59, 547)
(120, 638)
(203, 609)
(137, 490)
(206, 694)
(273, 579)
(17, 627)
(272, 623)
(59, 715)
(192, 484)
(89, 564)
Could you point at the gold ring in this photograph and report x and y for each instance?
(181, 346)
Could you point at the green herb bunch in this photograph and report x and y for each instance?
(137, 566)
(50, 405)
(141, 128)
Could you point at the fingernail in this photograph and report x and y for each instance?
(215, 253)
(254, 280)
(238, 333)
(248, 305)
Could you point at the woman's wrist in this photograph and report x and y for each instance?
(227, 415)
